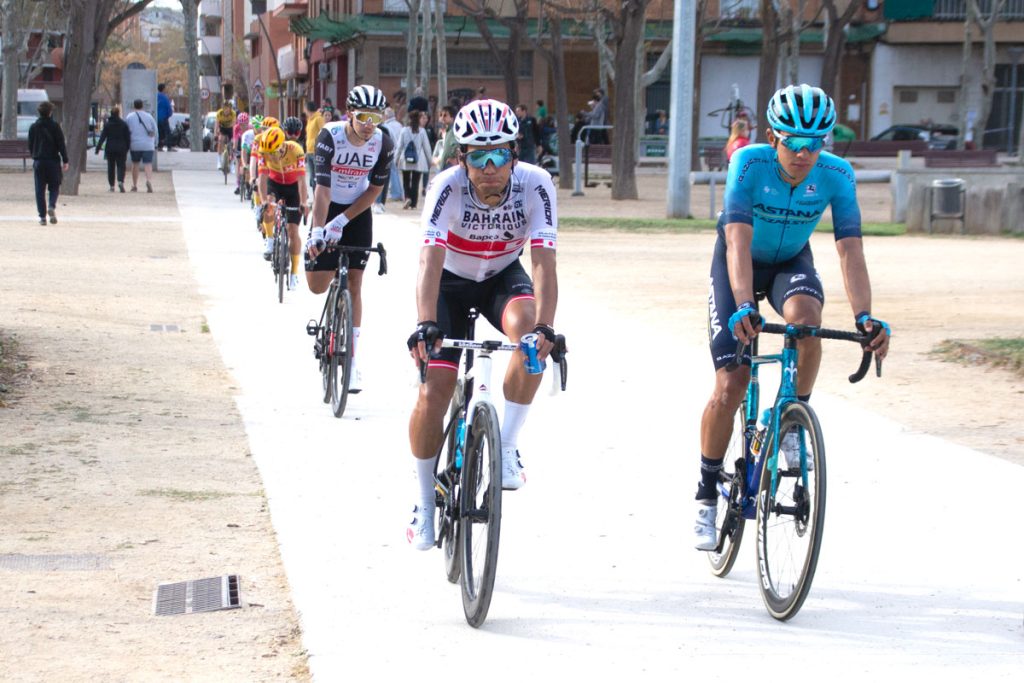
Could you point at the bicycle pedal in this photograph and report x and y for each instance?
(312, 329)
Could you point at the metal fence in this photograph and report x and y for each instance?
(957, 9)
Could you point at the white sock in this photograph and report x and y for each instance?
(355, 341)
(425, 474)
(515, 417)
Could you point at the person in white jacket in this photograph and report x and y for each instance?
(413, 154)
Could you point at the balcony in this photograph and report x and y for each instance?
(287, 8)
(211, 45)
(211, 8)
(956, 10)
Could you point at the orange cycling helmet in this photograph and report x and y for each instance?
(271, 140)
(271, 122)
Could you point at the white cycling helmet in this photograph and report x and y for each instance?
(802, 110)
(485, 122)
(366, 97)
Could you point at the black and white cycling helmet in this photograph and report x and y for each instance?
(366, 97)
(293, 125)
(802, 110)
(485, 122)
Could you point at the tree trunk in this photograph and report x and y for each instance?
(988, 67)
(835, 42)
(190, 8)
(965, 61)
(623, 137)
(442, 56)
(767, 73)
(88, 27)
(427, 33)
(562, 114)
(13, 27)
(410, 53)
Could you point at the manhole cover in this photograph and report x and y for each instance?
(54, 563)
(199, 595)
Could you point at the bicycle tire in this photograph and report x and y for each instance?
(480, 528)
(448, 512)
(280, 266)
(324, 336)
(790, 523)
(340, 349)
(729, 520)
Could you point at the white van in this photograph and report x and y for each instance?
(28, 108)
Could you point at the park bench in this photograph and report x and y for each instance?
(15, 149)
(598, 154)
(879, 148)
(714, 157)
(959, 158)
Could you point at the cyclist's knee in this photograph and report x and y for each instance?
(802, 310)
(730, 388)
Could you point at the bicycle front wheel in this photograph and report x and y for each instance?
(449, 512)
(282, 262)
(340, 348)
(791, 517)
(324, 340)
(481, 513)
(729, 520)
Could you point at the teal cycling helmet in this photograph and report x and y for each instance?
(802, 110)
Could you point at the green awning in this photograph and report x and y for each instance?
(909, 9)
(862, 33)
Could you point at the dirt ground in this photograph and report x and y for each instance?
(122, 452)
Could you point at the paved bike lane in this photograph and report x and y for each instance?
(596, 577)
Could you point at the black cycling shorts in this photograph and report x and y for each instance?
(357, 233)
(777, 282)
(490, 297)
(290, 195)
(227, 132)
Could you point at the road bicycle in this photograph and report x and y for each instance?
(334, 343)
(468, 487)
(281, 257)
(226, 158)
(787, 500)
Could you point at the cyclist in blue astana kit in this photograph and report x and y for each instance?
(478, 218)
(775, 195)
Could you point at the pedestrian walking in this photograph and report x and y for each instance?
(394, 127)
(413, 151)
(143, 132)
(314, 124)
(46, 144)
(115, 140)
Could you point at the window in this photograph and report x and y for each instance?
(740, 9)
(908, 96)
(460, 63)
(946, 96)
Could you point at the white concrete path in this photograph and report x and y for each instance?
(921, 569)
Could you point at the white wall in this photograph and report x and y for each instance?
(895, 66)
(720, 72)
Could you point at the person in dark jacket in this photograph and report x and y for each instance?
(46, 144)
(118, 141)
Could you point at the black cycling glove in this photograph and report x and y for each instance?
(427, 332)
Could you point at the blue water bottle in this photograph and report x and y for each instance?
(528, 345)
(460, 438)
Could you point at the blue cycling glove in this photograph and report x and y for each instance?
(746, 308)
(864, 317)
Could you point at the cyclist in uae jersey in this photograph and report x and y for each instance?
(478, 218)
(775, 196)
(353, 162)
(285, 161)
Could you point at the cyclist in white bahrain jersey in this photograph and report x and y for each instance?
(478, 217)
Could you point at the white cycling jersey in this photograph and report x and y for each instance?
(247, 138)
(349, 169)
(481, 241)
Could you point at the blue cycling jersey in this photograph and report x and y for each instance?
(783, 216)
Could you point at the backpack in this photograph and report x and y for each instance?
(411, 157)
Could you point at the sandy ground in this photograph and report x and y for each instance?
(122, 452)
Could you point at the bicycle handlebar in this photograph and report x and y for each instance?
(803, 331)
(379, 250)
(557, 355)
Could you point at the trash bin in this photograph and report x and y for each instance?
(948, 198)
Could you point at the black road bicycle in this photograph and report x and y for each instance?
(334, 342)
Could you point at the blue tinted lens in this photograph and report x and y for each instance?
(798, 144)
(478, 158)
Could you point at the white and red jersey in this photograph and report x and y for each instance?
(349, 169)
(480, 240)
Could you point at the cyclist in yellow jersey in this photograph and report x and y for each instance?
(225, 122)
(285, 164)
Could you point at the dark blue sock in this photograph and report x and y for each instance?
(805, 398)
(707, 487)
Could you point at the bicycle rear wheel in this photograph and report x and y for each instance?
(280, 261)
(481, 513)
(340, 348)
(449, 512)
(323, 338)
(729, 520)
(790, 520)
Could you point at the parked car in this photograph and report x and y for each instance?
(937, 137)
(209, 126)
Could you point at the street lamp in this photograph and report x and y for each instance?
(1015, 55)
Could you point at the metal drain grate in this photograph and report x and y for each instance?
(54, 563)
(157, 327)
(199, 595)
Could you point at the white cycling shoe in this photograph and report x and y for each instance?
(420, 532)
(268, 248)
(705, 535)
(512, 475)
(355, 380)
(791, 451)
